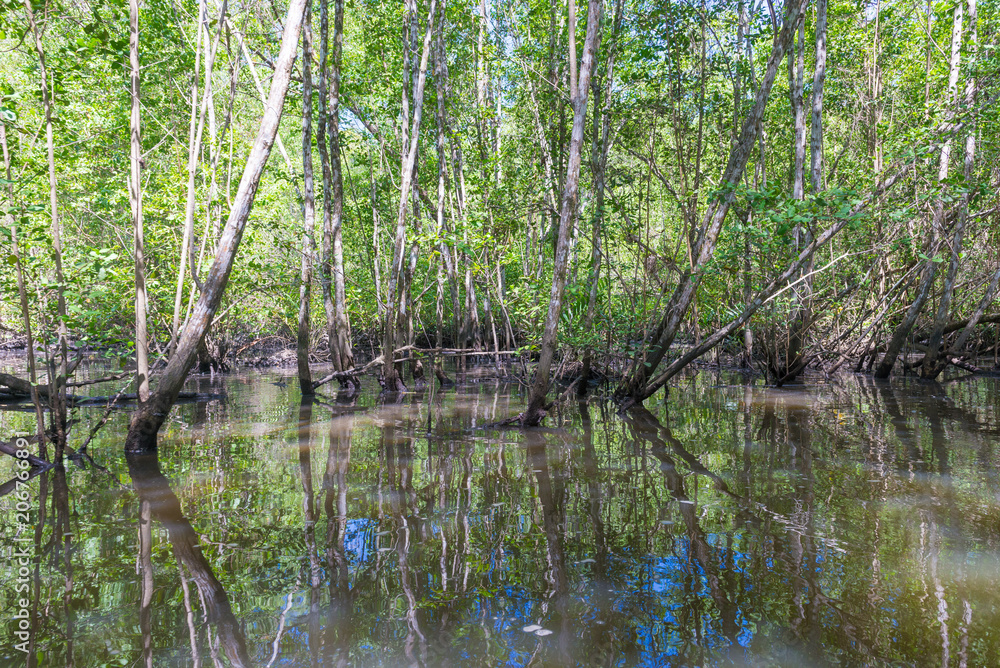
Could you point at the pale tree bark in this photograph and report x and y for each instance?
(446, 265)
(796, 85)
(933, 363)
(57, 399)
(308, 211)
(634, 389)
(135, 197)
(902, 332)
(598, 164)
(150, 416)
(819, 78)
(579, 85)
(333, 278)
(192, 158)
(789, 358)
(391, 376)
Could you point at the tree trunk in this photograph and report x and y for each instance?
(135, 197)
(308, 211)
(634, 388)
(819, 77)
(537, 405)
(57, 399)
(334, 280)
(194, 140)
(789, 359)
(150, 416)
(392, 378)
(343, 334)
(933, 364)
(598, 164)
(440, 67)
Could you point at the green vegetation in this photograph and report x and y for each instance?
(853, 223)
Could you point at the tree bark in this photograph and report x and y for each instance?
(934, 361)
(819, 77)
(194, 138)
(392, 378)
(598, 165)
(150, 416)
(334, 280)
(135, 198)
(537, 405)
(308, 211)
(57, 399)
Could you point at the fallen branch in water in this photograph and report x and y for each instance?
(106, 379)
(350, 373)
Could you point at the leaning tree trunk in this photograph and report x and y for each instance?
(135, 197)
(578, 98)
(150, 416)
(308, 211)
(902, 332)
(634, 389)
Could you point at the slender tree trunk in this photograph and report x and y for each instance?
(308, 210)
(791, 361)
(578, 96)
(440, 74)
(598, 164)
(634, 388)
(150, 416)
(341, 334)
(392, 378)
(57, 399)
(135, 193)
(933, 364)
(332, 265)
(193, 151)
(819, 77)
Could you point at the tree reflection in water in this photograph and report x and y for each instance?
(154, 492)
(852, 523)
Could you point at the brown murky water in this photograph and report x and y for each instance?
(836, 523)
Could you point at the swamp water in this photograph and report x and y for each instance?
(836, 523)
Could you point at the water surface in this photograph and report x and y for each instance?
(846, 522)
